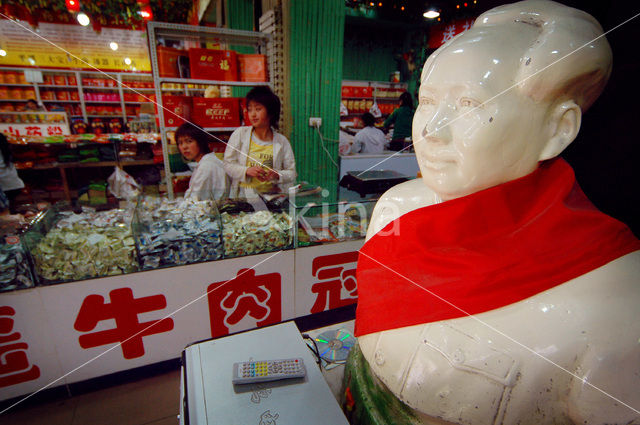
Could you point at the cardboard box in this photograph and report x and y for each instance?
(253, 68)
(216, 112)
(244, 112)
(207, 64)
(178, 105)
(168, 61)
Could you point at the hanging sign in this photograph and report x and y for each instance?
(73, 46)
(442, 33)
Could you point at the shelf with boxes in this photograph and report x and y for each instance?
(52, 167)
(359, 97)
(86, 96)
(194, 69)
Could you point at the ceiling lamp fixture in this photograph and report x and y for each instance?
(83, 19)
(431, 14)
(73, 6)
(3, 52)
(113, 45)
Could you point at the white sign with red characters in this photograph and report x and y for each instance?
(326, 277)
(28, 358)
(100, 326)
(154, 315)
(43, 130)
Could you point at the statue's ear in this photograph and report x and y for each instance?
(565, 123)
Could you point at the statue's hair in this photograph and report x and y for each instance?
(569, 36)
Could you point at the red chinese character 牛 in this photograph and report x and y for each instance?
(247, 296)
(14, 364)
(124, 309)
(337, 286)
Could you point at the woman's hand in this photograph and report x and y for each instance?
(272, 176)
(257, 172)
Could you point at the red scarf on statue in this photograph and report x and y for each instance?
(484, 251)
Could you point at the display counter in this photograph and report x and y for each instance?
(132, 319)
(176, 232)
(15, 265)
(68, 244)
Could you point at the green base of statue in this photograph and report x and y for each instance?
(366, 400)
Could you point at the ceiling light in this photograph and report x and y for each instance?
(3, 52)
(127, 61)
(430, 14)
(83, 19)
(113, 45)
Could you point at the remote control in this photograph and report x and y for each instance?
(267, 370)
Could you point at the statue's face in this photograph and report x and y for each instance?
(471, 131)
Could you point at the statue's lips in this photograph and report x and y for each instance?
(434, 162)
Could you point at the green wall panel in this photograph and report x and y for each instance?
(316, 45)
(240, 14)
(240, 17)
(369, 54)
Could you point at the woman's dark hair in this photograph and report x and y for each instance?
(406, 99)
(4, 149)
(368, 119)
(264, 96)
(196, 133)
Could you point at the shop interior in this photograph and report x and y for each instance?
(105, 204)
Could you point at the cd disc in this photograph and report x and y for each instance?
(334, 345)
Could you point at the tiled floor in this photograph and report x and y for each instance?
(149, 401)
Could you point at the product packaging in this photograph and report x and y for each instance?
(216, 112)
(252, 68)
(177, 109)
(207, 64)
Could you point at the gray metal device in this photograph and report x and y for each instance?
(210, 396)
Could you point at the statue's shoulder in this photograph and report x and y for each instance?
(399, 200)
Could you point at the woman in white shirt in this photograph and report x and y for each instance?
(369, 139)
(258, 158)
(208, 180)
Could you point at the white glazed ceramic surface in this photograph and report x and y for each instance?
(487, 116)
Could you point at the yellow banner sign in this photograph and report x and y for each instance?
(73, 46)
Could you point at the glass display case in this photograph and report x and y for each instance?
(255, 226)
(65, 244)
(176, 232)
(68, 246)
(15, 267)
(321, 222)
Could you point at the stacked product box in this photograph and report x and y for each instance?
(211, 64)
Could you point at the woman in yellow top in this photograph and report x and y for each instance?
(257, 157)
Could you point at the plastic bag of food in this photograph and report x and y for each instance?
(122, 185)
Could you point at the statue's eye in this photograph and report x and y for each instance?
(426, 101)
(466, 102)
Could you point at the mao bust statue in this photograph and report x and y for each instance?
(491, 291)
